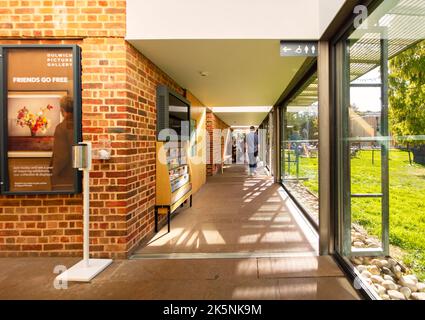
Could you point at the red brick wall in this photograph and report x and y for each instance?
(142, 79)
(119, 104)
(62, 19)
(215, 138)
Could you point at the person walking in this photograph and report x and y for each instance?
(252, 146)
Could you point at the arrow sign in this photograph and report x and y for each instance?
(298, 48)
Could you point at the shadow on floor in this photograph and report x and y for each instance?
(234, 213)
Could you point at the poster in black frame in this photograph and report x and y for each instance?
(73, 59)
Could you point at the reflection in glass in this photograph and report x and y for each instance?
(300, 148)
(62, 170)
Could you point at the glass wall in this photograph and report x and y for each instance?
(380, 72)
(265, 133)
(300, 148)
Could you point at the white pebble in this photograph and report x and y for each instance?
(366, 274)
(389, 285)
(420, 286)
(395, 295)
(406, 292)
(418, 296)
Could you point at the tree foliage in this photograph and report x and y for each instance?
(407, 92)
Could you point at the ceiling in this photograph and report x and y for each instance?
(234, 19)
(239, 72)
(241, 116)
(242, 119)
(235, 43)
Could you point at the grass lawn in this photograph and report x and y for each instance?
(407, 200)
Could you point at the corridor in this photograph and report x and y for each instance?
(234, 215)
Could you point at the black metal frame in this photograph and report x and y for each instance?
(169, 212)
(77, 70)
(341, 187)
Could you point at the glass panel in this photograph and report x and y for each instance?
(300, 151)
(365, 149)
(407, 206)
(366, 156)
(366, 223)
(178, 117)
(365, 169)
(371, 77)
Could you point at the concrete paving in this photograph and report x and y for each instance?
(256, 278)
(257, 244)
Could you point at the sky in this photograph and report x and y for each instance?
(367, 99)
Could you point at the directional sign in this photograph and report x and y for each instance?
(298, 48)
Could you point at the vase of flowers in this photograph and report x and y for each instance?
(36, 122)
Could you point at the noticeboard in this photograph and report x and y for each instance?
(41, 111)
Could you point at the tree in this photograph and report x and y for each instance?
(407, 94)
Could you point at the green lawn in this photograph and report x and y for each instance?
(308, 168)
(407, 200)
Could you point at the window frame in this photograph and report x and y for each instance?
(340, 82)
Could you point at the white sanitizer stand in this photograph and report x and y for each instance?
(86, 269)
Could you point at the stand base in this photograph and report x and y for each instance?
(82, 273)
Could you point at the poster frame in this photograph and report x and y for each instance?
(77, 70)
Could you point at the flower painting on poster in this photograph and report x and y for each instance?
(33, 115)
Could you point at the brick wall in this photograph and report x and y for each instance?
(214, 123)
(142, 79)
(62, 19)
(119, 104)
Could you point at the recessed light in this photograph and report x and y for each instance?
(204, 73)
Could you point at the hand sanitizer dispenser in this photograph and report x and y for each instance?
(86, 269)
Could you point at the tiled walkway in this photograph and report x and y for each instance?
(234, 213)
(242, 279)
(258, 245)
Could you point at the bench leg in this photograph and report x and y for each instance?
(190, 201)
(169, 219)
(156, 219)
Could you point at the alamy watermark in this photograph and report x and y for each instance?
(60, 284)
(362, 13)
